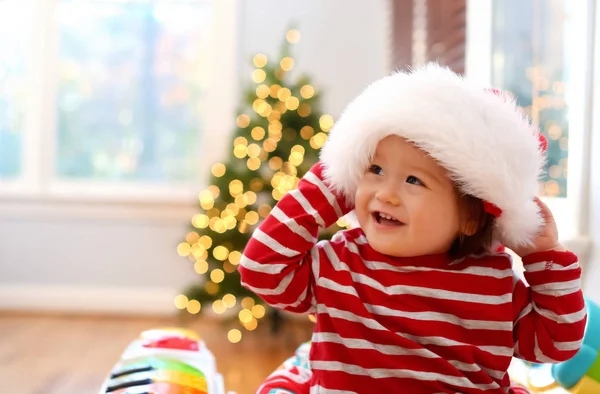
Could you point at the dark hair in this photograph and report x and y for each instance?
(471, 212)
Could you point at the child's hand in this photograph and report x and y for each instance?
(546, 239)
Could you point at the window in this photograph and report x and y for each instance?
(13, 83)
(540, 51)
(112, 98)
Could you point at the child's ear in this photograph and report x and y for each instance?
(469, 227)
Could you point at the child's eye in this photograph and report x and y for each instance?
(375, 169)
(413, 180)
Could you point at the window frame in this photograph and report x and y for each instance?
(570, 211)
(38, 184)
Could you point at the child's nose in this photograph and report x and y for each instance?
(388, 194)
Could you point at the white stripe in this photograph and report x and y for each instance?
(284, 373)
(292, 225)
(378, 373)
(273, 244)
(444, 317)
(568, 346)
(524, 312)
(393, 350)
(548, 287)
(471, 270)
(357, 343)
(414, 290)
(541, 266)
(362, 240)
(441, 341)
(539, 355)
(283, 285)
(466, 367)
(298, 302)
(558, 293)
(312, 178)
(317, 389)
(422, 340)
(255, 266)
(298, 196)
(566, 318)
(425, 316)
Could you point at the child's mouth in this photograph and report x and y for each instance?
(386, 220)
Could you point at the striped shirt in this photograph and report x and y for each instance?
(423, 324)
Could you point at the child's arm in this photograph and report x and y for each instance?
(549, 314)
(277, 260)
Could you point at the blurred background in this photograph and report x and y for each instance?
(141, 141)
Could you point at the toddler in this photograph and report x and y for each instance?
(419, 297)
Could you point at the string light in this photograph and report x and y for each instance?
(264, 210)
(258, 133)
(283, 94)
(193, 307)
(251, 325)
(234, 335)
(250, 197)
(218, 170)
(304, 110)
(254, 150)
(240, 151)
(228, 267)
(307, 91)
(200, 221)
(192, 237)
(286, 64)
(235, 257)
(256, 184)
(307, 132)
(183, 249)
(245, 316)
(201, 267)
(262, 91)
(259, 75)
(205, 241)
(235, 188)
(274, 90)
(220, 253)
(219, 307)
(243, 121)
(229, 300)
(247, 303)
(253, 163)
(260, 60)
(258, 311)
(181, 301)
(269, 145)
(251, 217)
(326, 122)
(211, 288)
(292, 103)
(292, 36)
(318, 140)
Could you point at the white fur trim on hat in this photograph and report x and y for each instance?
(485, 142)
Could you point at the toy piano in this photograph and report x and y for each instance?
(165, 361)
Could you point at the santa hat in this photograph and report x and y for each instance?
(479, 135)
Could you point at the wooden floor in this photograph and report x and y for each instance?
(47, 354)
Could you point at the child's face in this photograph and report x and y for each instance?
(415, 191)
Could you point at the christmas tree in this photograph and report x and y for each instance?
(280, 129)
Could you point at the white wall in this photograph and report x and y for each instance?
(115, 257)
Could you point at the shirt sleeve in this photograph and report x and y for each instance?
(277, 261)
(549, 313)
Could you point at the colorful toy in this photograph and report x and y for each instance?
(580, 374)
(165, 361)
